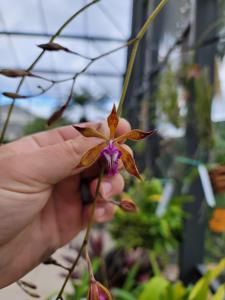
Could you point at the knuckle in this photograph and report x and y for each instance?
(72, 148)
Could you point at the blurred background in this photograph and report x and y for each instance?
(177, 87)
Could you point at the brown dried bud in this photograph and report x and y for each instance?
(128, 205)
(28, 284)
(98, 292)
(13, 95)
(53, 47)
(56, 115)
(15, 73)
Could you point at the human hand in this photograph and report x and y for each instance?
(40, 198)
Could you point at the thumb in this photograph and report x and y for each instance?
(52, 163)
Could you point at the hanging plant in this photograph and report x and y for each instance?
(167, 97)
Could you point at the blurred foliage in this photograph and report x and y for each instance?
(214, 246)
(215, 241)
(82, 98)
(156, 288)
(85, 97)
(174, 89)
(195, 82)
(159, 288)
(167, 96)
(203, 94)
(144, 228)
(39, 124)
(218, 151)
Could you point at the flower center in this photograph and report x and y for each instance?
(112, 155)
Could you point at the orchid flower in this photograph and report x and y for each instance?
(111, 149)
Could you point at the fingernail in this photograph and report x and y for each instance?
(106, 189)
(100, 212)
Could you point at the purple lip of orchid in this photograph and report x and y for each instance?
(112, 155)
(102, 297)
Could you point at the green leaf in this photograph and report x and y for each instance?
(154, 289)
(215, 272)
(200, 290)
(130, 280)
(120, 294)
(178, 291)
(219, 295)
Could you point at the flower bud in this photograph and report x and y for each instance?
(98, 292)
(52, 47)
(128, 205)
(13, 95)
(56, 115)
(13, 73)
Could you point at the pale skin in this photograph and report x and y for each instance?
(40, 199)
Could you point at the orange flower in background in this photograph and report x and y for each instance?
(111, 149)
(217, 222)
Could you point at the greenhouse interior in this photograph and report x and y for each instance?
(112, 149)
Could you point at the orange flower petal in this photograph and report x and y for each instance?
(134, 135)
(113, 121)
(91, 155)
(128, 162)
(90, 132)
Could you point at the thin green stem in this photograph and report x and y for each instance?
(127, 77)
(139, 37)
(86, 237)
(6, 123)
(57, 33)
(154, 264)
(89, 265)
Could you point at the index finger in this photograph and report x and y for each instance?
(54, 136)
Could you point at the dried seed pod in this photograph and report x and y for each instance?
(53, 47)
(28, 284)
(15, 73)
(13, 95)
(56, 115)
